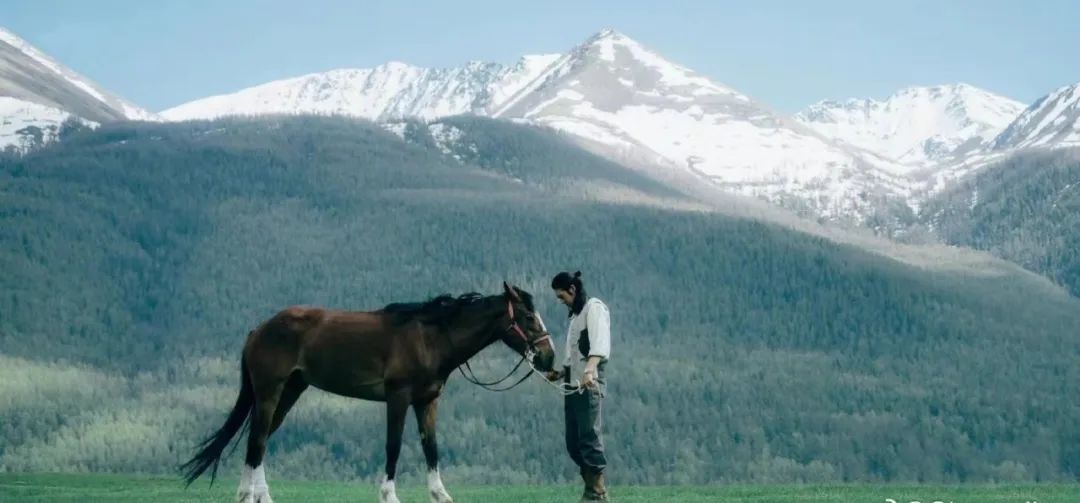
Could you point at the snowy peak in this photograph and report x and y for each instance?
(1052, 121)
(614, 95)
(30, 75)
(626, 100)
(916, 126)
(368, 93)
(838, 159)
(611, 70)
(390, 91)
(37, 94)
(614, 47)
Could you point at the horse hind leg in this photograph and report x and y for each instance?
(253, 487)
(294, 387)
(269, 394)
(397, 405)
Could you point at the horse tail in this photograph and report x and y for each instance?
(210, 449)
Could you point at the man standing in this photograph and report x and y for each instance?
(588, 345)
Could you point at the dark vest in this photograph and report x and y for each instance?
(583, 343)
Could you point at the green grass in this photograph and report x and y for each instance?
(124, 488)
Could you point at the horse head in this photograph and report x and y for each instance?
(525, 332)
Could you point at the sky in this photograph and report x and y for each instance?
(786, 54)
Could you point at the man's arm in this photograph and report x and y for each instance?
(599, 325)
(590, 366)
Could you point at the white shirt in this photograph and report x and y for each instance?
(595, 319)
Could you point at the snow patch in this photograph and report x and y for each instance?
(516, 78)
(554, 70)
(445, 136)
(17, 115)
(398, 128)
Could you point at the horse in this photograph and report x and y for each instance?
(401, 355)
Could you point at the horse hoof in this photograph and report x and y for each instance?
(440, 497)
(253, 496)
(388, 492)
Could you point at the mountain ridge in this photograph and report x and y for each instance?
(853, 162)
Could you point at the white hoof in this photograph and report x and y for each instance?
(253, 495)
(253, 487)
(245, 495)
(263, 495)
(436, 490)
(388, 492)
(442, 497)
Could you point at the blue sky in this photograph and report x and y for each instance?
(786, 54)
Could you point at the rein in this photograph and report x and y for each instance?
(526, 356)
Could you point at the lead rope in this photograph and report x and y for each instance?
(490, 386)
(475, 380)
(563, 388)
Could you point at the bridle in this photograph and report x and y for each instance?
(527, 355)
(515, 328)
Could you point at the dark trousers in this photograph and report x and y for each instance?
(584, 439)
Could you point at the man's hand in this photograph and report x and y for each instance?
(553, 375)
(588, 378)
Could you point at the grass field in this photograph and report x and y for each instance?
(121, 488)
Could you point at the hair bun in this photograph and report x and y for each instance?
(577, 274)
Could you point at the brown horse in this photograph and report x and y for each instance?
(401, 355)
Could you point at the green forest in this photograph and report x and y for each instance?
(1025, 209)
(135, 258)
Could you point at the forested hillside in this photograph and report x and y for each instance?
(1025, 209)
(135, 258)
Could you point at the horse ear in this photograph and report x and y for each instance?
(511, 291)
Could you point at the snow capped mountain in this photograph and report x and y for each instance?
(614, 95)
(1053, 120)
(917, 126)
(391, 91)
(626, 100)
(844, 160)
(37, 94)
(30, 75)
(837, 160)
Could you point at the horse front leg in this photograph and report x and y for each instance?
(397, 406)
(425, 419)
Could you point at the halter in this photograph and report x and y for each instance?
(514, 327)
(564, 388)
(528, 354)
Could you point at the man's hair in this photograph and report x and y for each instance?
(563, 281)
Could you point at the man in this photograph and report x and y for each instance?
(588, 345)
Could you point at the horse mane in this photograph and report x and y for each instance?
(439, 310)
(443, 309)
